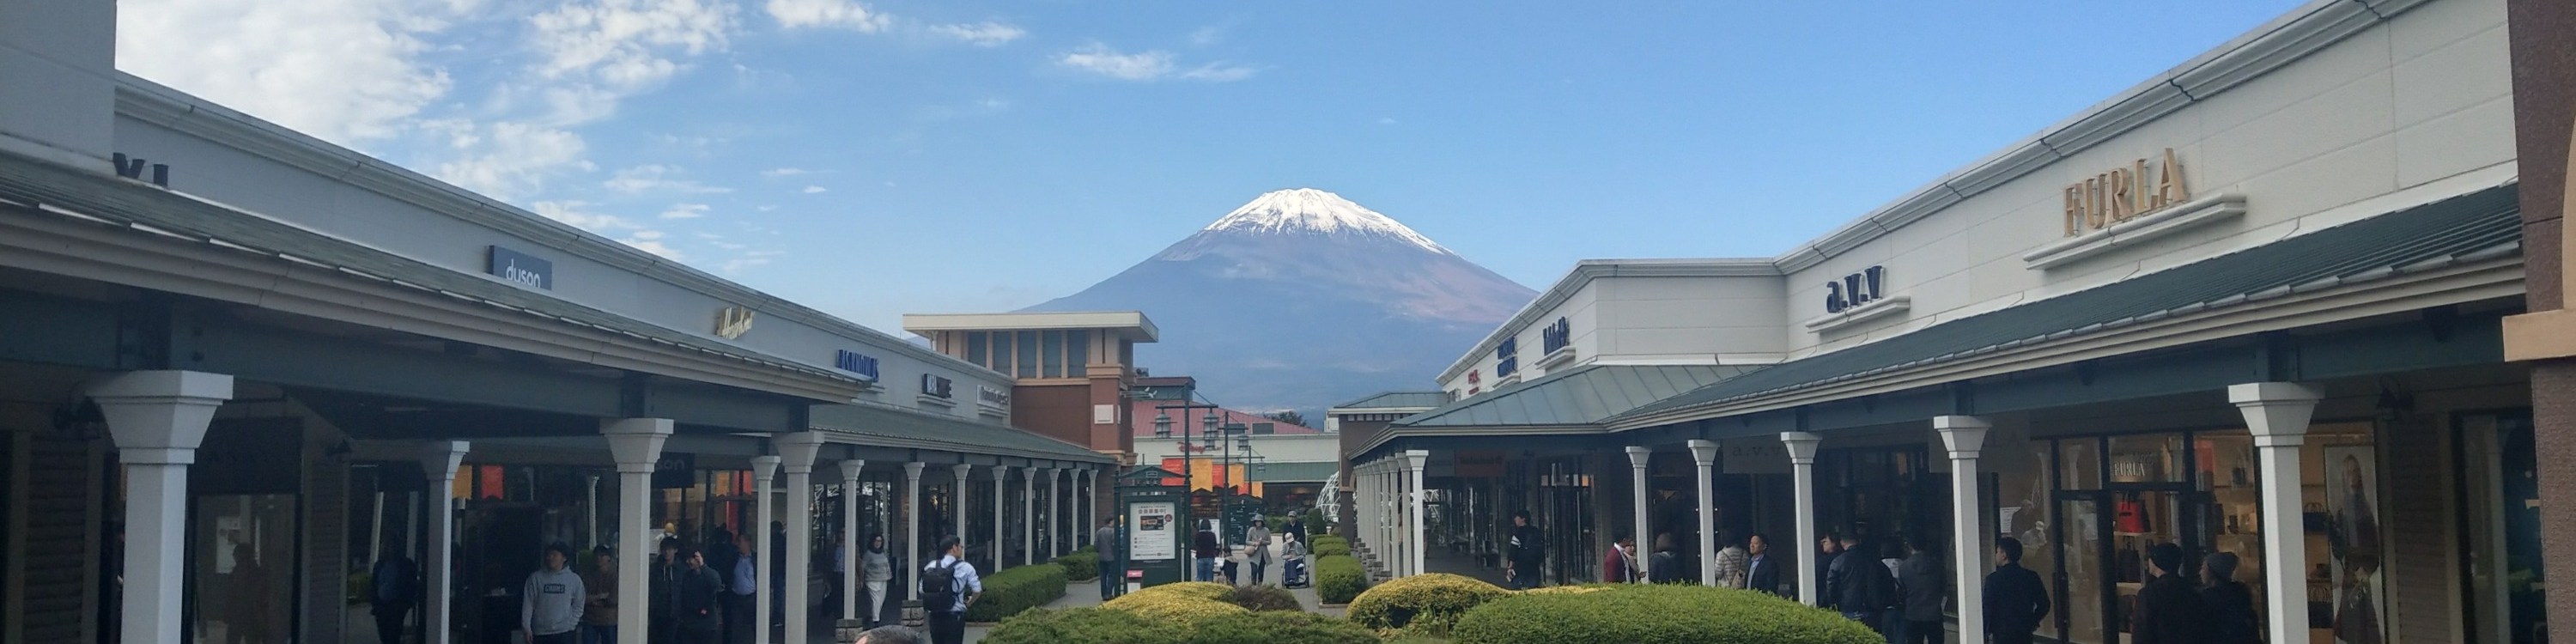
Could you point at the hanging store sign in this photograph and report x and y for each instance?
(1856, 289)
(2119, 195)
(732, 322)
(521, 268)
(132, 168)
(855, 362)
(1479, 463)
(936, 387)
(675, 470)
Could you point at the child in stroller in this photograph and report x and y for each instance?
(1292, 573)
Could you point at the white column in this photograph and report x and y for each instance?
(911, 526)
(1637, 457)
(593, 503)
(850, 537)
(1802, 471)
(1029, 516)
(764, 471)
(1966, 436)
(2278, 415)
(1704, 454)
(957, 504)
(636, 444)
(797, 450)
(157, 419)
(1415, 460)
(1089, 499)
(438, 459)
(1001, 481)
(1055, 512)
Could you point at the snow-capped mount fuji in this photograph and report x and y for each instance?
(1301, 299)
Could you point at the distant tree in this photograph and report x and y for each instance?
(1290, 417)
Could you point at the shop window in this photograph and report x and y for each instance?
(2500, 491)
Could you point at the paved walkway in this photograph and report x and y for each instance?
(1087, 593)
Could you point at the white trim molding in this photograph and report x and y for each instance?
(1863, 313)
(2185, 216)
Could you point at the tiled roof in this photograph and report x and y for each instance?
(1580, 396)
(1399, 400)
(906, 428)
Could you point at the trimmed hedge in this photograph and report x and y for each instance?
(1328, 545)
(1084, 626)
(1655, 614)
(1422, 604)
(1279, 628)
(1080, 566)
(1339, 579)
(1178, 604)
(1017, 589)
(1262, 598)
(1315, 526)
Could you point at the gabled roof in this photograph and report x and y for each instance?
(1399, 400)
(906, 428)
(1574, 397)
(2475, 227)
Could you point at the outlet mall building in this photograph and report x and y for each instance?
(239, 366)
(2253, 305)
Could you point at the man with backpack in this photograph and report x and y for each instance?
(948, 586)
(395, 590)
(1527, 553)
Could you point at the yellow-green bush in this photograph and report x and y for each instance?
(1339, 579)
(1180, 604)
(1654, 614)
(1194, 589)
(1422, 604)
(1084, 626)
(1279, 628)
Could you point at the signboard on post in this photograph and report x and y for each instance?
(1155, 535)
(1157, 523)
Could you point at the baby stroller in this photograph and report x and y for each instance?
(1293, 574)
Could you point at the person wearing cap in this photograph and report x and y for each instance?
(2231, 604)
(2169, 609)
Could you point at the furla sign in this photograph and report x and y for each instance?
(2121, 194)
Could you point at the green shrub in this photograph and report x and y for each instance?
(1424, 604)
(1008, 592)
(1084, 626)
(1315, 526)
(1278, 524)
(1328, 545)
(1080, 566)
(1262, 598)
(1655, 614)
(1339, 579)
(1278, 628)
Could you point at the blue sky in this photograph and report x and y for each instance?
(882, 157)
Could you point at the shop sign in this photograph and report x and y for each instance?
(1480, 463)
(936, 387)
(1507, 357)
(2137, 468)
(989, 396)
(1152, 535)
(855, 362)
(1856, 289)
(2119, 195)
(132, 168)
(1555, 336)
(521, 268)
(675, 470)
(1754, 456)
(732, 322)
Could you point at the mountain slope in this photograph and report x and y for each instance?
(1300, 299)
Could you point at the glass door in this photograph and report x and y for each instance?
(2083, 600)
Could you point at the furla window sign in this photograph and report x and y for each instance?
(2122, 207)
(521, 268)
(855, 362)
(732, 322)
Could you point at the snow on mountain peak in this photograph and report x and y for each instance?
(1311, 210)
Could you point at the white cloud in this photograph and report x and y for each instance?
(1148, 65)
(1207, 35)
(784, 172)
(597, 52)
(842, 14)
(578, 214)
(346, 71)
(651, 245)
(657, 178)
(685, 211)
(1386, 120)
(646, 234)
(506, 160)
(815, 189)
(747, 260)
(982, 34)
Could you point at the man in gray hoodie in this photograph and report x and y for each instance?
(550, 605)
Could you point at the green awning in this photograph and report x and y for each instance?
(1574, 397)
(907, 428)
(1295, 472)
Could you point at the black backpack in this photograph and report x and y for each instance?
(939, 587)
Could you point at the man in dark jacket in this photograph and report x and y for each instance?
(1862, 586)
(1761, 566)
(2231, 604)
(395, 588)
(1527, 553)
(1923, 592)
(666, 577)
(2169, 610)
(1828, 550)
(694, 598)
(2015, 599)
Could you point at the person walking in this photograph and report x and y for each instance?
(1204, 547)
(740, 601)
(2230, 602)
(840, 575)
(778, 574)
(664, 587)
(1527, 553)
(1665, 565)
(876, 570)
(2015, 598)
(1104, 541)
(394, 590)
(1863, 587)
(1730, 565)
(599, 605)
(2169, 609)
(551, 602)
(1761, 570)
(1828, 551)
(948, 586)
(1256, 550)
(694, 599)
(1619, 566)
(1921, 577)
